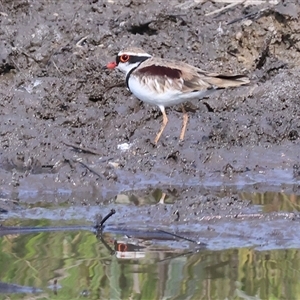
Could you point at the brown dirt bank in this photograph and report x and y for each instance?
(62, 125)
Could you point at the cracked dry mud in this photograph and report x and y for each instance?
(70, 131)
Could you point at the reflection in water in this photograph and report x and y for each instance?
(80, 265)
(274, 202)
(271, 201)
(6, 288)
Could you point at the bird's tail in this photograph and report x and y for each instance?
(225, 81)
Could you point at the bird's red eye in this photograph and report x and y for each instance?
(124, 58)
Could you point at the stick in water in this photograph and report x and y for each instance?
(100, 225)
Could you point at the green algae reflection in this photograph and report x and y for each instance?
(73, 265)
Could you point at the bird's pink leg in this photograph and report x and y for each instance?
(184, 123)
(163, 125)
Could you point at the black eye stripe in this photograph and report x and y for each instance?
(133, 59)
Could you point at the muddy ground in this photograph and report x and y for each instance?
(70, 131)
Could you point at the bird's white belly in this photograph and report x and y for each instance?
(162, 97)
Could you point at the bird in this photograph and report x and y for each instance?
(166, 82)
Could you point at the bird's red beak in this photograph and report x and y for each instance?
(111, 65)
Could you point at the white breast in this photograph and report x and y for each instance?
(158, 95)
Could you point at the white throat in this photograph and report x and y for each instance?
(127, 67)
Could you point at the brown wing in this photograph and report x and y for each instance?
(168, 74)
(162, 76)
(159, 78)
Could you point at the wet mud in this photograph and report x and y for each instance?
(72, 133)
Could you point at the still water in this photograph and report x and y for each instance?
(78, 265)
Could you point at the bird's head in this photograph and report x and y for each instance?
(128, 59)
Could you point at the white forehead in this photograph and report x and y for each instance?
(134, 53)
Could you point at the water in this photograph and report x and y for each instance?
(72, 265)
(251, 259)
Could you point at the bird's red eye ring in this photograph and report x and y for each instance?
(124, 58)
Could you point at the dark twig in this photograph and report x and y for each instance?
(182, 237)
(100, 225)
(264, 54)
(29, 56)
(106, 245)
(90, 169)
(55, 287)
(81, 149)
(253, 15)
